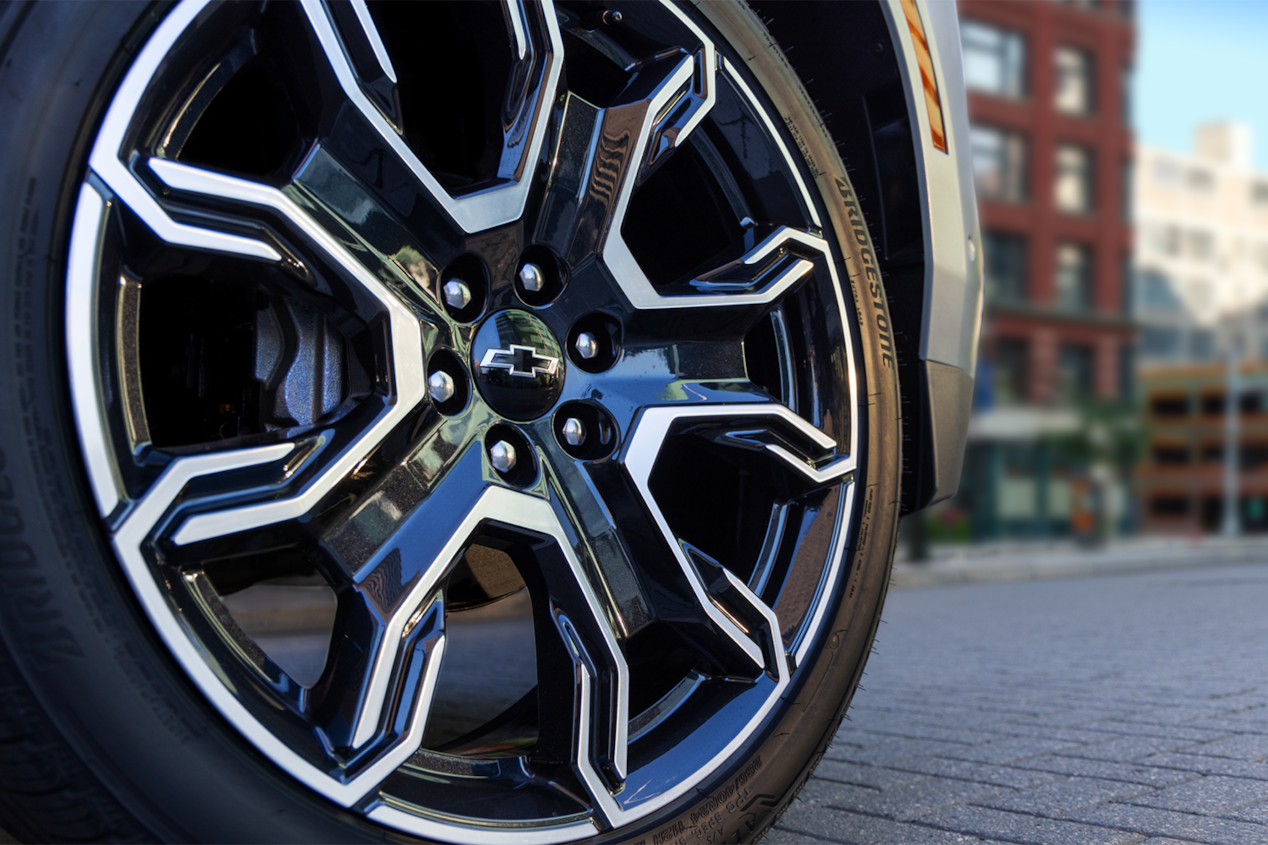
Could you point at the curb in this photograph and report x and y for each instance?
(1049, 565)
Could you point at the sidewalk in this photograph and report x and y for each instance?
(1043, 560)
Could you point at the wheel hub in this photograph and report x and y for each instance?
(517, 364)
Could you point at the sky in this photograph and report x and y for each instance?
(1199, 61)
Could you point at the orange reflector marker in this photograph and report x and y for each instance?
(933, 103)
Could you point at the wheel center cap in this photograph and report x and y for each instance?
(517, 364)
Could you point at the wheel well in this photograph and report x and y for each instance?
(845, 56)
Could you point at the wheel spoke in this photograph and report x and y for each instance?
(583, 681)
(772, 267)
(769, 430)
(677, 372)
(323, 204)
(107, 157)
(808, 454)
(602, 152)
(534, 76)
(396, 561)
(673, 591)
(610, 161)
(762, 274)
(368, 54)
(394, 594)
(405, 340)
(584, 493)
(806, 459)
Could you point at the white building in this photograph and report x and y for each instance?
(1201, 252)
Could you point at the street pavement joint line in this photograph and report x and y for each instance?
(1221, 816)
(1100, 776)
(1203, 774)
(993, 837)
(818, 776)
(896, 768)
(803, 833)
(1034, 814)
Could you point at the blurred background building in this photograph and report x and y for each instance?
(1049, 99)
(1202, 305)
(1202, 249)
(1181, 481)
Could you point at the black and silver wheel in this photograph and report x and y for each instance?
(517, 343)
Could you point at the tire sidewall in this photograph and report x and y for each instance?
(78, 636)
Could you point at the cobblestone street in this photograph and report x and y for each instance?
(1117, 709)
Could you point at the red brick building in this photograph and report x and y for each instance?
(1049, 100)
(1049, 89)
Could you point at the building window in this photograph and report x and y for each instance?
(1201, 181)
(1074, 372)
(1166, 173)
(1012, 370)
(1126, 372)
(1074, 277)
(1073, 190)
(1201, 245)
(1005, 267)
(1169, 507)
(1073, 93)
(1166, 239)
(1126, 189)
(1158, 294)
(1202, 345)
(999, 164)
(1259, 193)
(1126, 284)
(1170, 454)
(1125, 77)
(994, 59)
(1160, 342)
(1170, 406)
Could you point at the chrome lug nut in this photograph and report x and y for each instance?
(574, 431)
(457, 294)
(441, 387)
(502, 456)
(532, 277)
(587, 345)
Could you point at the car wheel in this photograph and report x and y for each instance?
(470, 422)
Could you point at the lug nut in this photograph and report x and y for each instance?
(532, 278)
(574, 431)
(587, 345)
(457, 294)
(502, 455)
(441, 387)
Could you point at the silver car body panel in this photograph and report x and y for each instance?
(952, 311)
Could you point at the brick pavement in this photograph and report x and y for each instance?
(1119, 709)
(1126, 709)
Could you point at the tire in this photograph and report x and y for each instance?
(342, 402)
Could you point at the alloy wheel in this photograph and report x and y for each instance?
(541, 308)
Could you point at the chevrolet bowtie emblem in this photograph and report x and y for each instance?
(519, 361)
